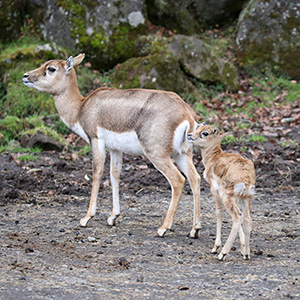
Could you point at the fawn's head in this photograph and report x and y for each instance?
(205, 136)
(52, 77)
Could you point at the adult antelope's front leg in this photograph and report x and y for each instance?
(98, 153)
(115, 171)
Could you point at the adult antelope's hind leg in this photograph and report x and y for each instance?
(115, 171)
(186, 165)
(98, 153)
(176, 180)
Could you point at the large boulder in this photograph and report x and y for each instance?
(174, 64)
(105, 30)
(155, 71)
(269, 32)
(199, 60)
(190, 16)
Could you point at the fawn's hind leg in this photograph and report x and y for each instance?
(237, 216)
(247, 226)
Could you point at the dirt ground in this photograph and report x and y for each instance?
(45, 254)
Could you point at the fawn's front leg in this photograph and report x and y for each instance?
(219, 215)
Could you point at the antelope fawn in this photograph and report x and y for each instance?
(232, 179)
(153, 123)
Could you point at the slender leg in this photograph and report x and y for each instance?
(219, 215)
(186, 165)
(237, 216)
(247, 226)
(176, 180)
(98, 153)
(241, 231)
(115, 171)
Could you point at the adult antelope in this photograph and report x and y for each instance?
(153, 123)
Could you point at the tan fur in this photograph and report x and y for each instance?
(150, 115)
(232, 179)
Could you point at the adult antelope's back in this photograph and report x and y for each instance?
(136, 121)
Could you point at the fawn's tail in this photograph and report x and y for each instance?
(241, 190)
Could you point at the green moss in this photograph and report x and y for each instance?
(157, 71)
(48, 132)
(106, 51)
(10, 127)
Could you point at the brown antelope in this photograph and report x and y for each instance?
(231, 178)
(153, 123)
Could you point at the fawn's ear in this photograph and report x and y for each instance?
(216, 131)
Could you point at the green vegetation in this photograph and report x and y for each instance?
(229, 139)
(23, 110)
(256, 138)
(29, 157)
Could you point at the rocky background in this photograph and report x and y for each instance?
(163, 42)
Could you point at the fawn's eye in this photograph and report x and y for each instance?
(50, 69)
(205, 133)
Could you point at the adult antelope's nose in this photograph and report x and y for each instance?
(25, 76)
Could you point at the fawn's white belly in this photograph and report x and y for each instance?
(126, 142)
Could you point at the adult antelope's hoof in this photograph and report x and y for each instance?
(161, 232)
(222, 256)
(112, 220)
(84, 221)
(194, 233)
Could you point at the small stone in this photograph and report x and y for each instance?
(91, 239)
(29, 250)
(183, 288)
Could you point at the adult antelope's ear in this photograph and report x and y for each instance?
(69, 64)
(78, 59)
(74, 61)
(216, 131)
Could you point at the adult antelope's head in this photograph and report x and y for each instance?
(205, 136)
(52, 76)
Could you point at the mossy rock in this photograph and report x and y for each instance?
(198, 60)
(105, 30)
(157, 71)
(192, 16)
(267, 34)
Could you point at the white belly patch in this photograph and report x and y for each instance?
(126, 142)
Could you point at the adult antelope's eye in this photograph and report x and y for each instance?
(205, 133)
(50, 69)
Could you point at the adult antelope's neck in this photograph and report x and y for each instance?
(68, 104)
